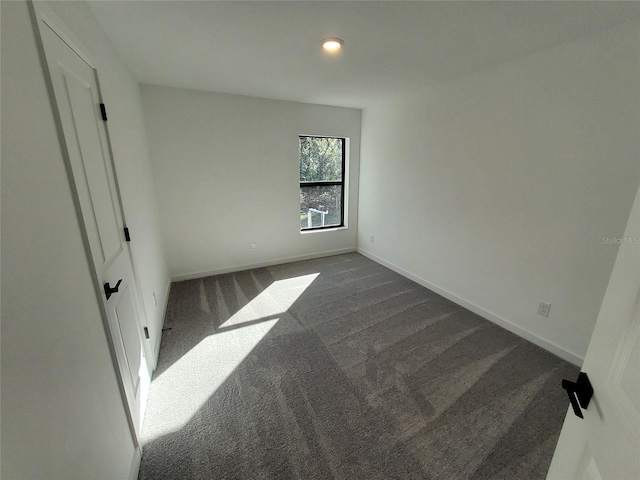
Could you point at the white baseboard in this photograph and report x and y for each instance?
(506, 324)
(267, 263)
(135, 464)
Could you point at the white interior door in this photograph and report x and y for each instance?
(606, 443)
(78, 103)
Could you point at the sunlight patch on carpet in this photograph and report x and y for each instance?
(186, 385)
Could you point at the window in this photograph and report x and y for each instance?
(322, 171)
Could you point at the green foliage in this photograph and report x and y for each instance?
(320, 159)
(320, 198)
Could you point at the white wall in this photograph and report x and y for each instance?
(62, 413)
(226, 173)
(126, 124)
(498, 188)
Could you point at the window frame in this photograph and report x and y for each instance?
(330, 183)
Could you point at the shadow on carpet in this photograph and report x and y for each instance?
(340, 368)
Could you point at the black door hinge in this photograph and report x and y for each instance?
(127, 237)
(103, 111)
(146, 333)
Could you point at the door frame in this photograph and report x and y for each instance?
(43, 17)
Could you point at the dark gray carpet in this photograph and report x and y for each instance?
(340, 368)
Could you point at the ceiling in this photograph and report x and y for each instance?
(272, 49)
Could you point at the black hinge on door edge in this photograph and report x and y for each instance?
(103, 111)
(146, 333)
(127, 237)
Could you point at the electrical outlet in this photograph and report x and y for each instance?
(543, 309)
(373, 239)
(253, 245)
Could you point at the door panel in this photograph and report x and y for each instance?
(123, 308)
(83, 101)
(606, 443)
(77, 97)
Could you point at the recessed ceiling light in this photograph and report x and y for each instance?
(332, 45)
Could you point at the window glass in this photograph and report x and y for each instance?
(322, 163)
